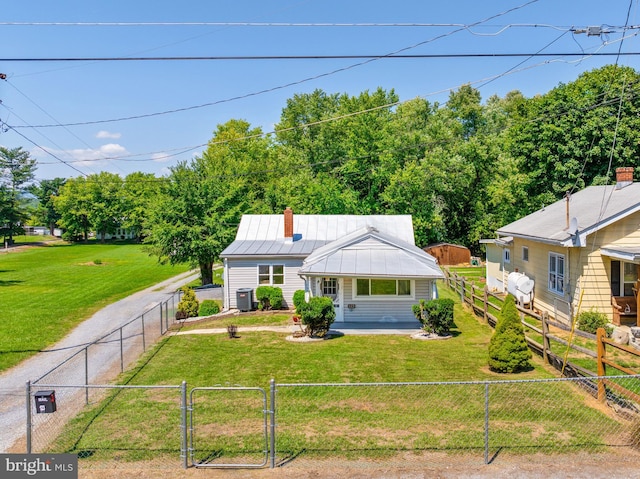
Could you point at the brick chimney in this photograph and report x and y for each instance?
(288, 224)
(624, 177)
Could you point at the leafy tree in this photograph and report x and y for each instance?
(201, 202)
(106, 212)
(73, 204)
(188, 304)
(16, 170)
(568, 135)
(508, 351)
(139, 192)
(45, 191)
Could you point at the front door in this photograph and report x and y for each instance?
(332, 288)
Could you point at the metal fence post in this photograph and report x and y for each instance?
(486, 423)
(86, 374)
(183, 424)
(121, 352)
(28, 417)
(272, 443)
(144, 345)
(166, 315)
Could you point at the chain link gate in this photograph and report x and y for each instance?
(228, 427)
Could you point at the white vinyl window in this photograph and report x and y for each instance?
(506, 254)
(383, 287)
(270, 274)
(525, 253)
(556, 273)
(330, 287)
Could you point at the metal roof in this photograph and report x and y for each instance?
(263, 235)
(370, 253)
(593, 208)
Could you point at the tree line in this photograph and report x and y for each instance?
(462, 169)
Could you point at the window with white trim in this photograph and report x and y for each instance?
(383, 287)
(330, 287)
(270, 274)
(506, 255)
(525, 253)
(556, 273)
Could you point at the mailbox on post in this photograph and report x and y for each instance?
(45, 401)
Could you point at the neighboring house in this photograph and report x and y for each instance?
(118, 234)
(368, 265)
(582, 251)
(449, 254)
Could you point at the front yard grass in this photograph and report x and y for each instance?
(373, 421)
(47, 291)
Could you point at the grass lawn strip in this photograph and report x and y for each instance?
(46, 291)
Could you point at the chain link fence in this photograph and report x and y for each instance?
(343, 425)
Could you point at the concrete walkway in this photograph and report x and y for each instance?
(13, 381)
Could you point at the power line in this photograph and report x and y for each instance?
(391, 56)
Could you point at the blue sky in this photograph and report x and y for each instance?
(38, 93)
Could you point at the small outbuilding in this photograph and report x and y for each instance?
(449, 254)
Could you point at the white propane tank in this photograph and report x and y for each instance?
(521, 287)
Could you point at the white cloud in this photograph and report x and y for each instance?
(108, 134)
(91, 156)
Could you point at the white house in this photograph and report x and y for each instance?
(368, 265)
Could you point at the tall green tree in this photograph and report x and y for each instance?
(106, 212)
(571, 135)
(139, 192)
(16, 171)
(202, 201)
(73, 204)
(46, 191)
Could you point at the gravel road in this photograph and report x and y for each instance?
(13, 381)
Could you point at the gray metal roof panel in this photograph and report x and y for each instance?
(593, 207)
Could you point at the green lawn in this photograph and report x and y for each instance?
(46, 291)
(353, 421)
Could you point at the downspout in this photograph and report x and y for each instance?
(226, 299)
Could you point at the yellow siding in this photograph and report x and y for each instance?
(587, 272)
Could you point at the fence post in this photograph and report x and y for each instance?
(29, 417)
(485, 302)
(183, 425)
(462, 291)
(86, 374)
(602, 368)
(144, 345)
(272, 443)
(546, 345)
(121, 352)
(166, 315)
(486, 423)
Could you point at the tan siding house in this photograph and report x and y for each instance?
(581, 251)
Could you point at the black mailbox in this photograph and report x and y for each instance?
(45, 401)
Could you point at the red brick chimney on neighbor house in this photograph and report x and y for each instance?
(288, 224)
(624, 176)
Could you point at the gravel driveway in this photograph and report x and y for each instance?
(13, 381)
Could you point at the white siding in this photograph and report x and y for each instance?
(383, 310)
(244, 274)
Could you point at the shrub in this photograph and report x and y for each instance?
(508, 351)
(269, 297)
(298, 298)
(590, 321)
(97, 261)
(435, 315)
(318, 315)
(208, 307)
(189, 303)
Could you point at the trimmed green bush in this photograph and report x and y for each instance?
(436, 315)
(298, 298)
(189, 304)
(590, 321)
(269, 297)
(508, 350)
(318, 315)
(208, 307)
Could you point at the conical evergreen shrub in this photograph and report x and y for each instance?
(508, 350)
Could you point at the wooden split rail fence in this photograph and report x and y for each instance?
(541, 332)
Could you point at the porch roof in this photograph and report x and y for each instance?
(369, 253)
(630, 254)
